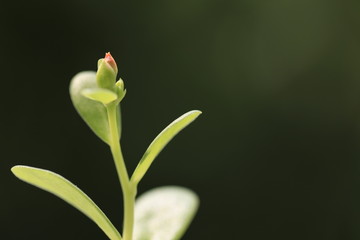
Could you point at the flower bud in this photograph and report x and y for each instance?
(107, 71)
(120, 84)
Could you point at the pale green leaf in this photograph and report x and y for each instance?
(92, 112)
(164, 213)
(102, 95)
(67, 191)
(160, 142)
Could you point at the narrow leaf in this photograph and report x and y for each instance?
(160, 142)
(64, 189)
(164, 213)
(92, 112)
(102, 95)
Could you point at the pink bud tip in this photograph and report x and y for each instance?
(110, 60)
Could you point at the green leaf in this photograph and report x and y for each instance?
(67, 191)
(102, 95)
(160, 142)
(164, 213)
(92, 112)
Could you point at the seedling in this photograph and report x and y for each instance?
(163, 213)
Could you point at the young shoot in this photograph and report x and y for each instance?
(163, 213)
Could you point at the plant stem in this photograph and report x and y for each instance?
(128, 189)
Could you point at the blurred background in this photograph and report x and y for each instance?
(275, 155)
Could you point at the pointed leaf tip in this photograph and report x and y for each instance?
(161, 141)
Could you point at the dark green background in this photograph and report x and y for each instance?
(275, 155)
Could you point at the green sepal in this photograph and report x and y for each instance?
(67, 191)
(105, 76)
(164, 213)
(92, 112)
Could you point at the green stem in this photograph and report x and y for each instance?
(128, 189)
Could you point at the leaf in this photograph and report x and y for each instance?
(102, 95)
(164, 213)
(92, 112)
(160, 142)
(64, 189)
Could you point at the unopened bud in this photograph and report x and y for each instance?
(120, 84)
(107, 71)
